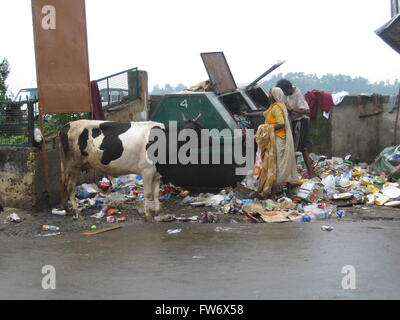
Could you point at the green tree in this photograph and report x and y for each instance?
(4, 72)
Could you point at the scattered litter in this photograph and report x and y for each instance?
(274, 216)
(110, 219)
(104, 184)
(58, 212)
(48, 234)
(121, 219)
(13, 217)
(392, 204)
(207, 217)
(171, 231)
(98, 215)
(198, 257)
(326, 228)
(223, 229)
(47, 227)
(341, 182)
(164, 218)
(311, 191)
(194, 218)
(112, 211)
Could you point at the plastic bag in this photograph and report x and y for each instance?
(388, 162)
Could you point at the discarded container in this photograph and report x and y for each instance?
(110, 219)
(13, 217)
(121, 219)
(391, 192)
(59, 212)
(171, 231)
(343, 196)
(98, 215)
(340, 213)
(184, 193)
(112, 211)
(310, 191)
(326, 228)
(50, 228)
(392, 204)
(104, 184)
(380, 180)
(380, 199)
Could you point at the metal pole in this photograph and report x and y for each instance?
(44, 153)
(31, 123)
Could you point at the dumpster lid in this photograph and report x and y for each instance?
(275, 66)
(390, 33)
(218, 71)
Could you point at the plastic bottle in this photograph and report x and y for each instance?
(304, 218)
(50, 228)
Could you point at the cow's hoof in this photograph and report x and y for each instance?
(79, 217)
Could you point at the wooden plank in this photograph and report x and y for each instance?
(91, 233)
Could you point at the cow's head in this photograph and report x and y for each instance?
(191, 124)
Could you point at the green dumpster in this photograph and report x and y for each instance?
(220, 110)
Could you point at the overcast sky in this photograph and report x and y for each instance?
(166, 37)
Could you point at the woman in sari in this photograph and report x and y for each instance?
(275, 146)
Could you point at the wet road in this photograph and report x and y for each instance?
(249, 261)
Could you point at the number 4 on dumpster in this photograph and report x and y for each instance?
(184, 104)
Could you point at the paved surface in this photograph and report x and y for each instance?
(249, 261)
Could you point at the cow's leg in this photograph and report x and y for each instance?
(64, 187)
(71, 185)
(156, 193)
(148, 192)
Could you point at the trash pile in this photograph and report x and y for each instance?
(339, 184)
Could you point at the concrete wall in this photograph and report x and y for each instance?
(22, 180)
(346, 133)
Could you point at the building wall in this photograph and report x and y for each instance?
(136, 110)
(346, 133)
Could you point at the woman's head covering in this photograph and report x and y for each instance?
(277, 94)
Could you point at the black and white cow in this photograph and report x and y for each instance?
(114, 149)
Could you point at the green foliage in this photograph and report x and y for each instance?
(4, 72)
(334, 83)
(15, 140)
(54, 122)
(306, 82)
(168, 89)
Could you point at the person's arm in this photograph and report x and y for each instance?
(278, 115)
(303, 111)
(253, 114)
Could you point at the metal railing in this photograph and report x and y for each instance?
(119, 88)
(17, 123)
